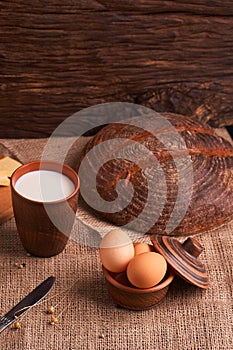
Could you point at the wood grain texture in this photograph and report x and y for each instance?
(40, 231)
(181, 258)
(58, 57)
(133, 298)
(6, 210)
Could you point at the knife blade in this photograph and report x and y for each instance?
(24, 305)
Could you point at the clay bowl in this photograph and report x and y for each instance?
(132, 298)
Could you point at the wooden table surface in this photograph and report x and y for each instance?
(57, 59)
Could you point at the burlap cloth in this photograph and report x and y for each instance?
(188, 317)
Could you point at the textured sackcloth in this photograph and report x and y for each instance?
(188, 317)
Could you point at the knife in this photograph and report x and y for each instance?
(24, 305)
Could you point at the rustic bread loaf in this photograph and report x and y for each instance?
(210, 178)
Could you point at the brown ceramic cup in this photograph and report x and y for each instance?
(44, 227)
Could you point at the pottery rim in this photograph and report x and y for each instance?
(157, 288)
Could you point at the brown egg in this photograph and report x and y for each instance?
(140, 248)
(116, 250)
(146, 270)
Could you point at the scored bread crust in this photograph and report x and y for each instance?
(211, 203)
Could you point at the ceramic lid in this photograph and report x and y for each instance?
(183, 258)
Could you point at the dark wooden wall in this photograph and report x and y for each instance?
(57, 57)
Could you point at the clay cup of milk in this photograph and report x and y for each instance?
(45, 199)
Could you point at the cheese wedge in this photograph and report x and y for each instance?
(4, 181)
(8, 166)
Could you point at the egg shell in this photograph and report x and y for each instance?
(115, 238)
(146, 270)
(116, 250)
(140, 248)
